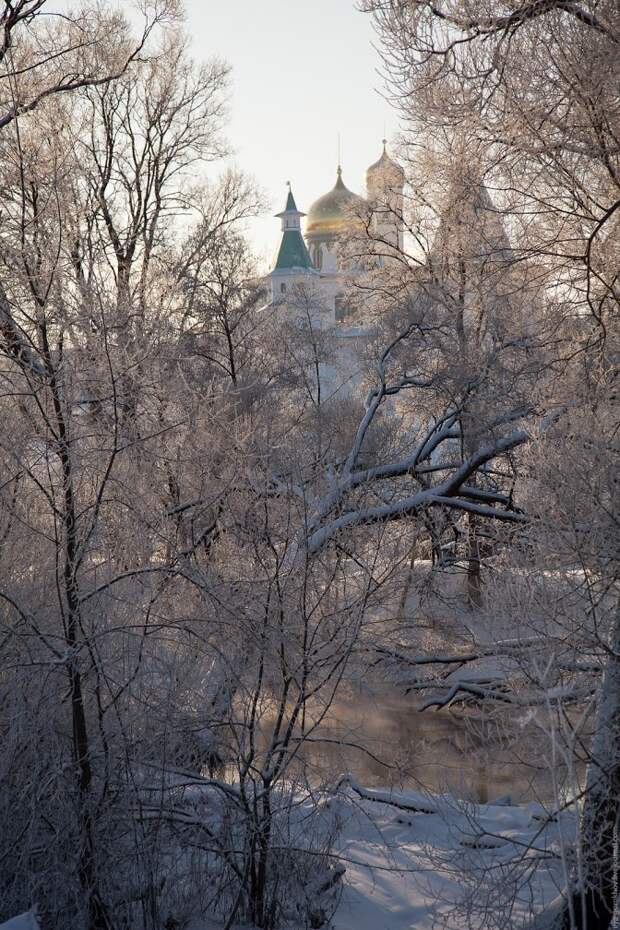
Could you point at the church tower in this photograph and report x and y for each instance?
(385, 183)
(293, 264)
(471, 258)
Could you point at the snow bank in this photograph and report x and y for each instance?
(413, 860)
(23, 922)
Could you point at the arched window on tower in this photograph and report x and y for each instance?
(283, 288)
(318, 257)
(342, 308)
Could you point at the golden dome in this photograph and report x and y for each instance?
(335, 212)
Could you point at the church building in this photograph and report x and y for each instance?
(315, 258)
(315, 263)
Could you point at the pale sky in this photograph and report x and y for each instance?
(303, 71)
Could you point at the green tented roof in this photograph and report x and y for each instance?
(290, 202)
(293, 252)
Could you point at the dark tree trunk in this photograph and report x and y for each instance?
(97, 913)
(474, 579)
(591, 905)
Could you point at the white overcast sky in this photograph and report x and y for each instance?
(303, 71)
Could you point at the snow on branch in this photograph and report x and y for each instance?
(506, 647)
(420, 806)
(445, 494)
(489, 25)
(495, 690)
(341, 509)
(509, 515)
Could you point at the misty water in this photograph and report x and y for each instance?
(384, 740)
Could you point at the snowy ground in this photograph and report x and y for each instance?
(407, 869)
(422, 861)
(412, 870)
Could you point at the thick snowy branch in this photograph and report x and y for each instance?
(523, 14)
(446, 494)
(494, 691)
(348, 780)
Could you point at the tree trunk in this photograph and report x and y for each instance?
(402, 607)
(87, 868)
(261, 911)
(591, 905)
(474, 580)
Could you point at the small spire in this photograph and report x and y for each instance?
(290, 212)
(290, 200)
